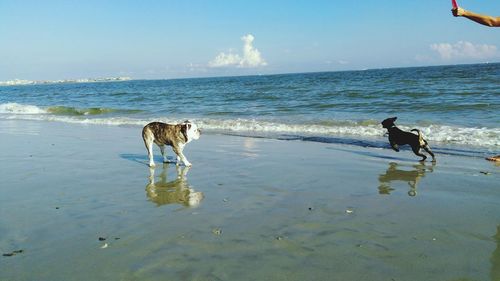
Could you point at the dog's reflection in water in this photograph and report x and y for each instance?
(175, 191)
(412, 177)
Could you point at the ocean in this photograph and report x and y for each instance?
(456, 107)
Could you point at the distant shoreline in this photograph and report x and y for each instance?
(18, 82)
(21, 82)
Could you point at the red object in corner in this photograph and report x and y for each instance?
(454, 4)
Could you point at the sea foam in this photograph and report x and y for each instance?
(434, 133)
(16, 108)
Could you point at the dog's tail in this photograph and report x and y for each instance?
(420, 138)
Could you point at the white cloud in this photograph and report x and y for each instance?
(224, 59)
(251, 56)
(464, 50)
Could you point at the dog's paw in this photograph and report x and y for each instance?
(151, 165)
(188, 164)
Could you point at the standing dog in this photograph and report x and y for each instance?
(399, 137)
(174, 135)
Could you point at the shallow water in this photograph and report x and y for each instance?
(271, 210)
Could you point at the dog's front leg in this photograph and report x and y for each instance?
(180, 156)
(395, 146)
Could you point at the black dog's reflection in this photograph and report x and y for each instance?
(412, 177)
(176, 191)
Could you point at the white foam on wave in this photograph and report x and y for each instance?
(16, 108)
(482, 137)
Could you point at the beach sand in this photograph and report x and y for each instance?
(248, 209)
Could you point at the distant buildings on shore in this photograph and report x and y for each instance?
(16, 82)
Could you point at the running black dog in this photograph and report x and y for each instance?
(398, 137)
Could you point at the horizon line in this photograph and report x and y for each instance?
(128, 78)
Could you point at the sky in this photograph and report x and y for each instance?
(143, 39)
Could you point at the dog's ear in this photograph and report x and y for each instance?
(184, 130)
(389, 122)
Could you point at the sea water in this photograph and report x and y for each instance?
(456, 107)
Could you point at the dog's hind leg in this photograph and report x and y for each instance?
(428, 149)
(162, 149)
(148, 138)
(416, 150)
(149, 147)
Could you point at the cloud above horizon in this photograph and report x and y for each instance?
(251, 56)
(464, 50)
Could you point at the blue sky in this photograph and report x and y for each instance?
(48, 40)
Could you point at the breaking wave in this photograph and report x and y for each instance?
(15, 108)
(445, 134)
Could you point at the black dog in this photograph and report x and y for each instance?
(399, 137)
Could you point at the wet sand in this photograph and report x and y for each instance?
(248, 209)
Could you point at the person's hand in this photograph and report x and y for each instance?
(457, 12)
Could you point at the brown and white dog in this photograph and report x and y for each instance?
(174, 135)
